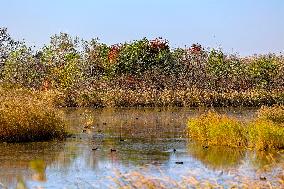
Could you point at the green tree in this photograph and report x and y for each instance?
(63, 61)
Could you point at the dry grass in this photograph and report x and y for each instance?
(28, 116)
(109, 96)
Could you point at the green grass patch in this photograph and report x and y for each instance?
(28, 116)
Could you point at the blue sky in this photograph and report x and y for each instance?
(242, 26)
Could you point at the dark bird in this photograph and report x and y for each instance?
(112, 150)
(174, 150)
(179, 162)
(94, 149)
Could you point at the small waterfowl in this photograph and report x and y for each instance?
(112, 150)
(179, 162)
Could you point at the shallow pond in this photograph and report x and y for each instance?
(150, 141)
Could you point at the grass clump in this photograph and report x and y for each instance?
(267, 131)
(28, 116)
(216, 129)
(263, 133)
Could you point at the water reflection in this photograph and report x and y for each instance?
(16, 159)
(217, 158)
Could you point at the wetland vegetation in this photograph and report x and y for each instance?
(42, 89)
(263, 133)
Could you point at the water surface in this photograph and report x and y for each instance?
(147, 140)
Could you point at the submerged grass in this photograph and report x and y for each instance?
(263, 133)
(28, 116)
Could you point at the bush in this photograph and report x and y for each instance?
(214, 129)
(28, 116)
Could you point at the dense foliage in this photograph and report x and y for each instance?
(90, 72)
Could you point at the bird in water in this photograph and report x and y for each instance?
(179, 162)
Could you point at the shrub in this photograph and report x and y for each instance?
(214, 129)
(28, 116)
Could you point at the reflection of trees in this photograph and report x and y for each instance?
(216, 157)
(22, 160)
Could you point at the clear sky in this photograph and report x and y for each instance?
(242, 26)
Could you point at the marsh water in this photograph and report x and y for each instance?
(108, 142)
